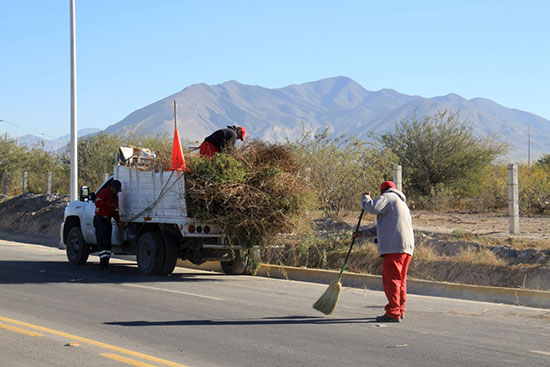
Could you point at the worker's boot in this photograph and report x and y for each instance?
(104, 265)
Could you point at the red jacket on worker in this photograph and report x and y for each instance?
(106, 204)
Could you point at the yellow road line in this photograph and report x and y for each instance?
(540, 352)
(19, 330)
(129, 361)
(171, 291)
(93, 342)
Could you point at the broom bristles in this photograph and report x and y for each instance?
(327, 302)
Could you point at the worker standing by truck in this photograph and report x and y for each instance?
(106, 204)
(221, 140)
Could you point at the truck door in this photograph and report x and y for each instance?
(88, 214)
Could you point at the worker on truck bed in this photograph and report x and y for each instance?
(221, 140)
(106, 207)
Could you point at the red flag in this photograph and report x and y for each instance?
(178, 162)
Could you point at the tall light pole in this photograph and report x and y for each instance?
(17, 126)
(74, 154)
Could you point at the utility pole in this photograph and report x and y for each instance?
(529, 148)
(74, 138)
(175, 118)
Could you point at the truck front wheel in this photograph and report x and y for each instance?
(150, 253)
(77, 250)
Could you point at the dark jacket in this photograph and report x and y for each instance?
(223, 138)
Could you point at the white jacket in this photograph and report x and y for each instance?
(393, 222)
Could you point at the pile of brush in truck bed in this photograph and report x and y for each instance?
(253, 193)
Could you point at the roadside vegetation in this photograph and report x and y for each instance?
(446, 168)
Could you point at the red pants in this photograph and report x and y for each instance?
(394, 279)
(207, 149)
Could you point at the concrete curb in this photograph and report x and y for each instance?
(513, 296)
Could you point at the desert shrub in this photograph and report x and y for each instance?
(325, 252)
(253, 195)
(440, 198)
(440, 150)
(340, 169)
(482, 256)
(492, 194)
(308, 250)
(534, 188)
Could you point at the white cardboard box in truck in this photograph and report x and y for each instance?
(159, 231)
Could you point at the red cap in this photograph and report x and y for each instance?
(243, 132)
(386, 185)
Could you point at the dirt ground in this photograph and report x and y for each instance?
(30, 217)
(530, 228)
(37, 219)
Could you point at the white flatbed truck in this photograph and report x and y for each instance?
(158, 232)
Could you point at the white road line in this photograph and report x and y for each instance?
(540, 352)
(171, 291)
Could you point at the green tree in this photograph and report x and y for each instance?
(544, 161)
(441, 152)
(12, 160)
(38, 163)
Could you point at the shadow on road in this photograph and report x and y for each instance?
(287, 320)
(38, 272)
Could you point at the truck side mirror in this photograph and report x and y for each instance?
(84, 193)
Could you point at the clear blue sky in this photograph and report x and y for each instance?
(133, 53)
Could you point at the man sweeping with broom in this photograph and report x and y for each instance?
(395, 245)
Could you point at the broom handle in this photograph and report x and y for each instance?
(352, 242)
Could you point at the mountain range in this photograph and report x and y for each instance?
(339, 104)
(55, 145)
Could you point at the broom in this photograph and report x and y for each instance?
(327, 302)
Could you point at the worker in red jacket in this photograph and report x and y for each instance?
(221, 140)
(106, 207)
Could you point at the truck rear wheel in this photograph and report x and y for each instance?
(150, 253)
(77, 250)
(242, 264)
(170, 254)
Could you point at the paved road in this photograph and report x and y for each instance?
(56, 314)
